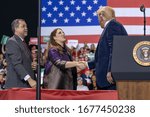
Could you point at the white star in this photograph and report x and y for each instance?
(55, 20)
(44, 9)
(78, 8)
(55, 8)
(100, 6)
(83, 1)
(61, 14)
(61, 2)
(89, 20)
(66, 8)
(72, 14)
(49, 15)
(66, 20)
(43, 21)
(89, 8)
(77, 20)
(72, 2)
(49, 2)
(83, 14)
(95, 1)
(95, 14)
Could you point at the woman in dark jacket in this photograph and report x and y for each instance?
(60, 70)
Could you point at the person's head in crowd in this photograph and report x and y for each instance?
(80, 85)
(34, 50)
(86, 58)
(73, 52)
(34, 55)
(105, 14)
(81, 50)
(80, 81)
(19, 28)
(87, 72)
(86, 47)
(88, 50)
(93, 77)
(92, 48)
(81, 58)
(94, 81)
(78, 74)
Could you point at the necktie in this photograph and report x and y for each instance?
(27, 51)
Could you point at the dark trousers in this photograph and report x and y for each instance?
(110, 87)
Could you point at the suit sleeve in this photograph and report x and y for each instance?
(115, 29)
(109, 42)
(14, 55)
(91, 64)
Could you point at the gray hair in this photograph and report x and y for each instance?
(15, 24)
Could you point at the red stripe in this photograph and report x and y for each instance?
(81, 38)
(128, 3)
(89, 38)
(133, 20)
(85, 38)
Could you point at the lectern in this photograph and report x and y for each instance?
(131, 66)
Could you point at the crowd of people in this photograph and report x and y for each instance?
(85, 68)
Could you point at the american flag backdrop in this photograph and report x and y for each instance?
(79, 20)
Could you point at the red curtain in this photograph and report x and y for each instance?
(30, 94)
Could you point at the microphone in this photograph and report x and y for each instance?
(142, 8)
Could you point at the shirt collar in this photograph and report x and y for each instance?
(107, 22)
(20, 38)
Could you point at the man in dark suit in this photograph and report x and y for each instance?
(20, 66)
(103, 55)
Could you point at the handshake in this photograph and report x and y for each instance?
(81, 65)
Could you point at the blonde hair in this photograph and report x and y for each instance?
(107, 12)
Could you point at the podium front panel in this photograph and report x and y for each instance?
(124, 67)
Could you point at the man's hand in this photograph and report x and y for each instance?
(34, 65)
(81, 65)
(109, 78)
(32, 82)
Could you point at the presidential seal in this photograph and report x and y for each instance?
(141, 53)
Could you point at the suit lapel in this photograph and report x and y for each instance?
(101, 37)
(23, 47)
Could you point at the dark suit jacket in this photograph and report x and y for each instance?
(19, 61)
(103, 53)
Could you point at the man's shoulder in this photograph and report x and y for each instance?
(115, 22)
(11, 40)
(114, 25)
